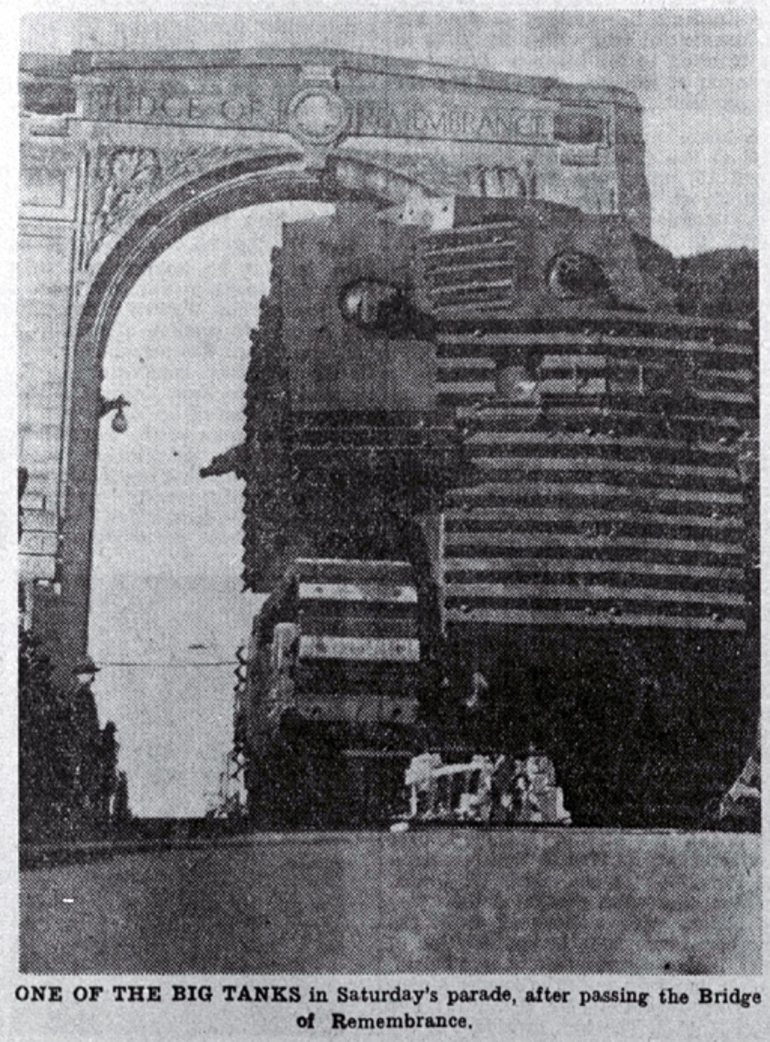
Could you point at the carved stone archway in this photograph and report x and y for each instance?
(123, 153)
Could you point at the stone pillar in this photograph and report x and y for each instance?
(78, 522)
(51, 179)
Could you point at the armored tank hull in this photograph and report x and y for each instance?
(531, 411)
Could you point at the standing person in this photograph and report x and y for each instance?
(108, 773)
(83, 744)
(476, 711)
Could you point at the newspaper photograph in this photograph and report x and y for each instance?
(388, 502)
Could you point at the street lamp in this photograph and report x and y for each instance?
(116, 405)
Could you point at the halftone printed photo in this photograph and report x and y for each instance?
(388, 522)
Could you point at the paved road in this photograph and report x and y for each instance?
(557, 901)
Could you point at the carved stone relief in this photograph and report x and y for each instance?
(123, 179)
(502, 182)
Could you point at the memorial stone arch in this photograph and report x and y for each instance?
(123, 153)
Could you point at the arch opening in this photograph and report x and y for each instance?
(267, 178)
(166, 545)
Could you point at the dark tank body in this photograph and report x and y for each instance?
(552, 425)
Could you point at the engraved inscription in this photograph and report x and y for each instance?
(114, 104)
(413, 119)
(202, 97)
(318, 114)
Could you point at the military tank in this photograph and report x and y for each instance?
(552, 423)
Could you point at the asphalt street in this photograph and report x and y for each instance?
(456, 901)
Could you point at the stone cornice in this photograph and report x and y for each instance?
(61, 66)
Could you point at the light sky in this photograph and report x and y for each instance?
(167, 544)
